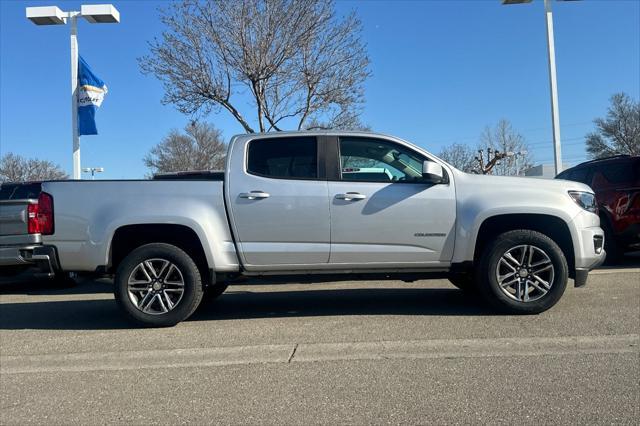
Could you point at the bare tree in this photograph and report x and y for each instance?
(485, 167)
(351, 122)
(619, 132)
(200, 148)
(460, 156)
(299, 62)
(15, 168)
(507, 150)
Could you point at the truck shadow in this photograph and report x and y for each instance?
(237, 304)
(628, 261)
(38, 286)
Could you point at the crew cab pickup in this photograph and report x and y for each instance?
(349, 204)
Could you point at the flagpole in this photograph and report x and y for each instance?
(92, 13)
(73, 16)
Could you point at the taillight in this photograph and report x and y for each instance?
(32, 224)
(40, 215)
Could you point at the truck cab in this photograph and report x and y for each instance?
(317, 213)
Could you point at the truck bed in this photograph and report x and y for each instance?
(88, 214)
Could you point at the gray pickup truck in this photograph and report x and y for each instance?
(349, 204)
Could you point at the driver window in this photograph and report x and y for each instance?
(375, 160)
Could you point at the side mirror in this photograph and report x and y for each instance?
(432, 172)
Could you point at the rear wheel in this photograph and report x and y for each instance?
(158, 285)
(522, 272)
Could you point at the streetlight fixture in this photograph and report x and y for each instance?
(551, 50)
(93, 171)
(94, 14)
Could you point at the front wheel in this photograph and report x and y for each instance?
(522, 272)
(158, 285)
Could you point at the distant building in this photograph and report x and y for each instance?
(543, 171)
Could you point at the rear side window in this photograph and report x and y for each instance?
(580, 175)
(617, 173)
(284, 158)
(576, 175)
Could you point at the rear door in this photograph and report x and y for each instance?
(383, 213)
(278, 197)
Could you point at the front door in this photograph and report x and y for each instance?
(383, 213)
(279, 206)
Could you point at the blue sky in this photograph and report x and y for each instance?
(442, 71)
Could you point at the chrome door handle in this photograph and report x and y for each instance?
(351, 196)
(254, 195)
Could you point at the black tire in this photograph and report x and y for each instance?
(486, 273)
(614, 254)
(464, 282)
(184, 306)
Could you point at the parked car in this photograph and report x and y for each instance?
(616, 183)
(287, 206)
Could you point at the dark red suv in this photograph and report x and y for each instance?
(616, 182)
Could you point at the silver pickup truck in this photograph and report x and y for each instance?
(349, 204)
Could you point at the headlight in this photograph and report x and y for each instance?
(586, 200)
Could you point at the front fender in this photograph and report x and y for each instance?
(508, 196)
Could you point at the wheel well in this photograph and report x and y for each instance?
(551, 226)
(129, 237)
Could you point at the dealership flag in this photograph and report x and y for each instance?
(91, 91)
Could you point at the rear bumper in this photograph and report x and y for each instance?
(16, 255)
(44, 258)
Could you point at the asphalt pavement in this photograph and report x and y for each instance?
(343, 352)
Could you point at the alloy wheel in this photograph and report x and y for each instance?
(155, 286)
(525, 273)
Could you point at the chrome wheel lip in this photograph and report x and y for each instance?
(155, 286)
(525, 273)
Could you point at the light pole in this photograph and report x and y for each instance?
(93, 171)
(94, 14)
(551, 51)
(515, 156)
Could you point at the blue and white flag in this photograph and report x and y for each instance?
(91, 91)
